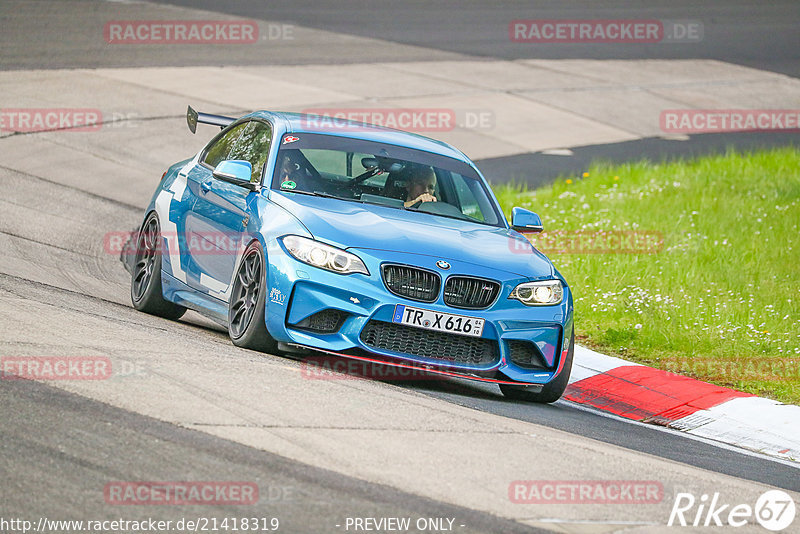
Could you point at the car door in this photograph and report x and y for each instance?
(221, 210)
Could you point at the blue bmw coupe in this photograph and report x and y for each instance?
(304, 235)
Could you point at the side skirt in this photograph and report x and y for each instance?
(176, 291)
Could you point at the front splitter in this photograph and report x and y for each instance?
(422, 368)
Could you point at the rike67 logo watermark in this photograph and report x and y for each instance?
(774, 510)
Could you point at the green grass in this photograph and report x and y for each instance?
(720, 300)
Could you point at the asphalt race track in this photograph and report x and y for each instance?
(302, 497)
(186, 405)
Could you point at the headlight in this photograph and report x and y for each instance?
(544, 293)
(323, 256)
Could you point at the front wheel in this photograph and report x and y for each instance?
(146, 294)
(551, 391)
(246, 324)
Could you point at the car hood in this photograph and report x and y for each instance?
(368, 226)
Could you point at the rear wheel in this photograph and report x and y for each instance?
(146, 294)
(246, 325)
(551, 391)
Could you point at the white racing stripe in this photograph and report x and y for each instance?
(163, 202)
(212, 284)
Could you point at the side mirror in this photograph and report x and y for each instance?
(237, 172)
(524, 220)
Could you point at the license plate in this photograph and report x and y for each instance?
(441, 322)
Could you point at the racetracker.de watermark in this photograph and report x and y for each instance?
(333, 368)
(767, 369)
(594, 31)
(181, 493)
(689, 121)
(408, 119)
(591, 242)
(211, 243)
(586, 492)
(55, 368)
(183, 32)
(26, 120)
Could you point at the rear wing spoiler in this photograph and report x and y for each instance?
(193, 117)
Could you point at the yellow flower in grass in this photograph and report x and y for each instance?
(616, 178)
(586, 175)
(569, 181)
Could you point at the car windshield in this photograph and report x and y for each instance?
(378, 173)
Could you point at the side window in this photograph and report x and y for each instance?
(326, 161)
(466, 197)
(249, 141)
(336, 162)
(253, 146)
(219, 150)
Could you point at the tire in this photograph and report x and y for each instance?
(246, 324)
(551, 391)
(146, 294)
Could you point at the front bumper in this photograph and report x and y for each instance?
(361, 310)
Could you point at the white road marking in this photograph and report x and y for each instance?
(701, 439)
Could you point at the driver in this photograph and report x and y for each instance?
(289, 169)
(421, 187)
(291, 174)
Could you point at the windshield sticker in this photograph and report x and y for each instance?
(290, 139)
(288, 184)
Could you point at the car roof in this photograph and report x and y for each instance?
(307, 123)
